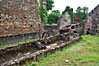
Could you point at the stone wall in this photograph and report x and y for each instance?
(88, 23)
(93, 20)
(18, 17)
(20, 37)
(95, 16)
(64, 20)
(53, 30)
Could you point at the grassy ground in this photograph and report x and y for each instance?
(82, 53)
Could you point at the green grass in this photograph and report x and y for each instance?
(83, 53)
(17, 43)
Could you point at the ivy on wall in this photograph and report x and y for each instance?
(42, 12)
(44, 7)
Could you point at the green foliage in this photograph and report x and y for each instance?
(49, 5)
(33, 64)
(81, 12)
(44, 12)
(53, 17)
(67, 9)
(82, 53)
(70, 11)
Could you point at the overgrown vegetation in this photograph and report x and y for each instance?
(44, 8)
(82, 53)
(42, 12)
(53, 17)
(81, 12)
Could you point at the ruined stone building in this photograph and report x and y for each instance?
(64, 20)
(19, 16)
(93, 20)
(88, 23)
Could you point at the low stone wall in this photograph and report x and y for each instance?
(38, 54)
(14, 52)
(53, 30)
(19, 37)
(50, 27)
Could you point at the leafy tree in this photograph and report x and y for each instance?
(85, 12)
(79, 9)
(49, 5)
(44, 12)
(85, 9)
(79, 12)
(55, 11)
(53, 17)
(82, 12)
(67, 9)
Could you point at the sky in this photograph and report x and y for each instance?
(61, 4)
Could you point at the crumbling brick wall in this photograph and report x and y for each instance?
(19, 16)
(92, 21)
(64, 20)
